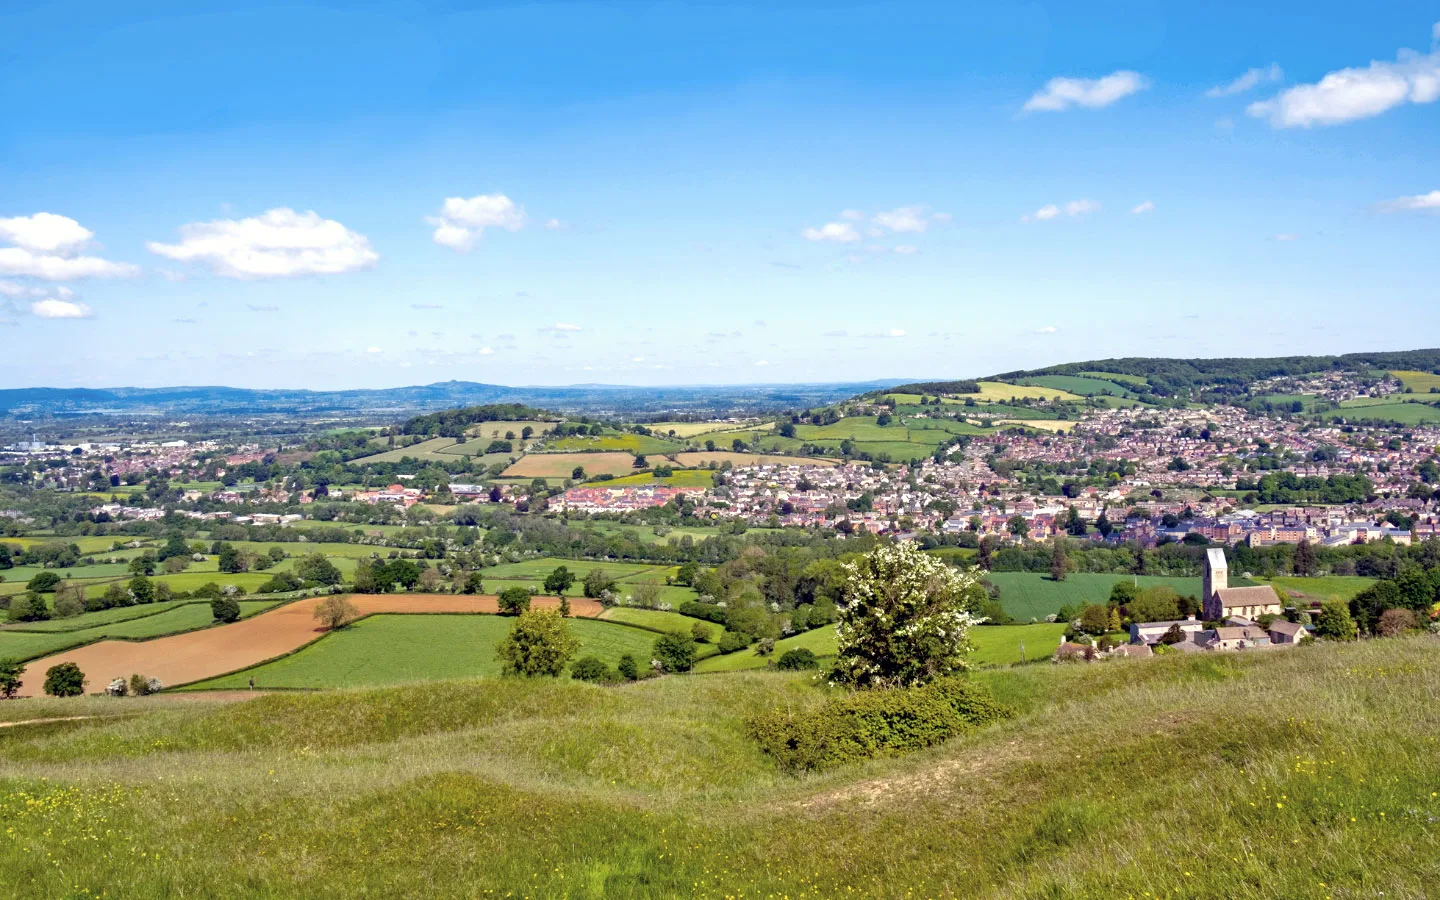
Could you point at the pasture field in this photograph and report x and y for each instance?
(898, 451)
(652, 790)
(699, 458)
(88, 545)
(681, 478)
(1005, 410)
(1400, 413)
(1001, 392)
(183, 616)
(854, 428)
(93, 619)
(687, 430)
(949, 426)
(539, 568)
(392, 649)
(995, 645)
(425, 450)
(298, 549)
(647, 533)
(560, 465)
(1079, 384)
(1322, 587)
(190, 580)
(1032, 595)
(1419, 382)
(614, 441)
(1117, 377)
(657, 620)
(486, 432)
(1040, 424)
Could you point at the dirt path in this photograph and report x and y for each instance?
(195, 655)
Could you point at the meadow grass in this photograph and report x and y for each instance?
(994, 645)
(1296, 773)
(1079, 384)
(1401, 413)
(397, 649)
(706, 457)
(1322, 587)
(1420, 382)
(562, 465)
(680, 478)
(1117, 377)
(625, 442)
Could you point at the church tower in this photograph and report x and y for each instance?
(1217, 578)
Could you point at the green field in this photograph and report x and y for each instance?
(615, 441)
(1032, 595)
(398, 649)
(656, 620)
(539, 568)
(646, 533)
(425, 450)
(1077, 384)
(1400, 413)
(995, 645)
(1419, 382)
(184, 616)
(1116, 377)
(1302, 773)
(1323, 587)
(681, 478)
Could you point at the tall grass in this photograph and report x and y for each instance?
(1309, 772)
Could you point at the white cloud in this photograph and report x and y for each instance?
(1073, 209)
(45, 232)
(565, 326)
(1427, 202)
(905, 219)
(554, 224)
(1092, 93)
(486, 351)
(905, 249)
(762, 362)
(1142, 208)
(60, 309)
(279, 243)
(19, 261)
(463, 220)
(1349, 94)
(1287, 236)
(1245, 82)
(897, 332)
(373, 350)
(837, 232)
(1048, 329)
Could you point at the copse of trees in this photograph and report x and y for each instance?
(453, 422)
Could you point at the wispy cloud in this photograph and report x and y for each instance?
(1073, 209)
(1060, 94)
(280, 243)
(1245, 82)
(1419, 202)
(833, 232)
(1142, 208)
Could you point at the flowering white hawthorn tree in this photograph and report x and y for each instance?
(906, 620)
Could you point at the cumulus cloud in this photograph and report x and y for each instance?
(835, 232)
(462, 220)
(1047, 329)
(486, 351)
(1073, 209)
(1419, 202)
(280, 243)
(1245, 82)
(59, 309)
(907, 219)
(373, 350)
(45, 232)
(1346, 95)
(1142, 208)
(1092, 93)
(47, 246)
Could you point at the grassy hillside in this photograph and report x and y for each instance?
(1301, 773)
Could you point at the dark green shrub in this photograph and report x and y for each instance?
(514, 600)
(225, 609)
(591, 668)
(29, 607)
(799, 658)
(731, 641)
(676, 652)
(65, 680)
(707, 611)
(43, 582)
(866, 724)
(628, 668)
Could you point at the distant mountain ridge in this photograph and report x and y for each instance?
(44, 401)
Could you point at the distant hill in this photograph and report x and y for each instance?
(401, 401)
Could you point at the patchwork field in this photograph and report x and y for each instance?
(209, 652)
(1078, 384)
(539, 568)
(680, 478)
(1401, 413)
(426, 450)
(685, 430)
(626, 442)
(400, 649)
(167, 618)
(1041, 424)
(560, 465)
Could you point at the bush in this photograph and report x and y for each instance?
(65, 680)
(279, 583)
(141, 686)
(538, 644)
(225, 609)
(627, 668)
(29, 608)
(700, 633)
(731, 641)
(676, 652)
(866, 724)
(591, 668)
(43, 582)
(118, 688)
(10, 670)
(707, 611)
(514, 600)
(1395, 622)
(799, 658)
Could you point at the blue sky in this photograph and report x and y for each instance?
(376, 194)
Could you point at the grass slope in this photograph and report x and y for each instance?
(1032, 595)
(1300, 773)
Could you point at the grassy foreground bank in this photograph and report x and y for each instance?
(1304, 773)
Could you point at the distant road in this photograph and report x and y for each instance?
(196, 655)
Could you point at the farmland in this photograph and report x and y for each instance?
(561, 465)
(1321, 588)
(1080, 385)
(1030, 595)
(686, 430)
(398, 649)
(1403, 413)
(613, 441)
(678, 478)
(171, 618)
(1419, 382)
(706, 457)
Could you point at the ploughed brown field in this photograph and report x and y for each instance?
(196, 655)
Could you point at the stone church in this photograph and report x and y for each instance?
(1222, 602)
